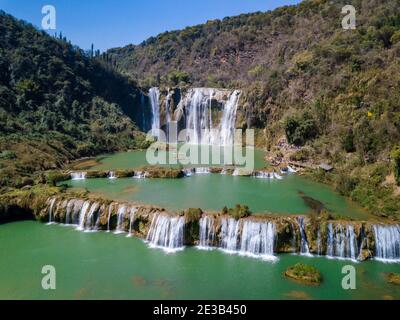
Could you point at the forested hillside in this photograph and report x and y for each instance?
(332, 92)
(56, 103)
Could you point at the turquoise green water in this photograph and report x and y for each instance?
(136, 159)
(214, 191)
(108, 266)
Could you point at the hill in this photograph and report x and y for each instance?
(57, 103)
(332, 92)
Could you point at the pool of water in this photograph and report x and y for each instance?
(214, 191)
(107, 266)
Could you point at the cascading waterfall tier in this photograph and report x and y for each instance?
(131, 219)
(82, 215)
(342, 242)
(260, 237)
(78, 175)
(207, 124)
(154, 96)
(257, 240)
(111, 175)
(166, 232)
(120, 219)
(250, 238)
(304, 249)
(387, 243)
(51, 209)
(206, 233)
(199, 117)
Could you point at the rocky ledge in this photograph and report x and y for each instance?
(234, 229)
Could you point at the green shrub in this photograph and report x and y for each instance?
(345, 184)
(348, 141)
(193, 214)
(300, 129)
(238, 212)
(301, 155)
(8, 155)
(395, 155)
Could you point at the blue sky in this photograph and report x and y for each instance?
(114, 23)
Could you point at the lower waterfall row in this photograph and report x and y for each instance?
(260, 236)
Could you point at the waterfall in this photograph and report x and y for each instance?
(236, 172)
(110, 209)
(342, 242)
(89, 224)
(304, 249)
(202, 170)
(166, 232)
(101, 210)
(228, 121)
(291, 170)
(277, 176)
(257, 240)
(206, 232)
(198, 105)
(229, 234)
(263, 175)
(387, 242)
(188, 172)
(111, 175)
(131, 219)
(51, 208)
(154, 95)
(70, 206)
(120, 219)
(168, 112)
(199, 117)
(78, 175)
(140, 175)
(82, 215)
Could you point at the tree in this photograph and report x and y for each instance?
(395, 155)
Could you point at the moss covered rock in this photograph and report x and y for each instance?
(393, 278)
(305, 274)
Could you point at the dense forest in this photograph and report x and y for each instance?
(57, 103)
(333, 92)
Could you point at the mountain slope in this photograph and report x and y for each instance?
(332, 92)
(56, 103)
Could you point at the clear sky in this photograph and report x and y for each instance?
(115, 23)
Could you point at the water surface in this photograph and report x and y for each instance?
(108, 266)
(214, 191)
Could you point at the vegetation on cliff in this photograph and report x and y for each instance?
(57, 103)
(331, 91)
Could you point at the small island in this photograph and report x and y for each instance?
(304, 274)
(393, 278)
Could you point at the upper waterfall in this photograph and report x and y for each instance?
(154, 95)
(208, 114)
